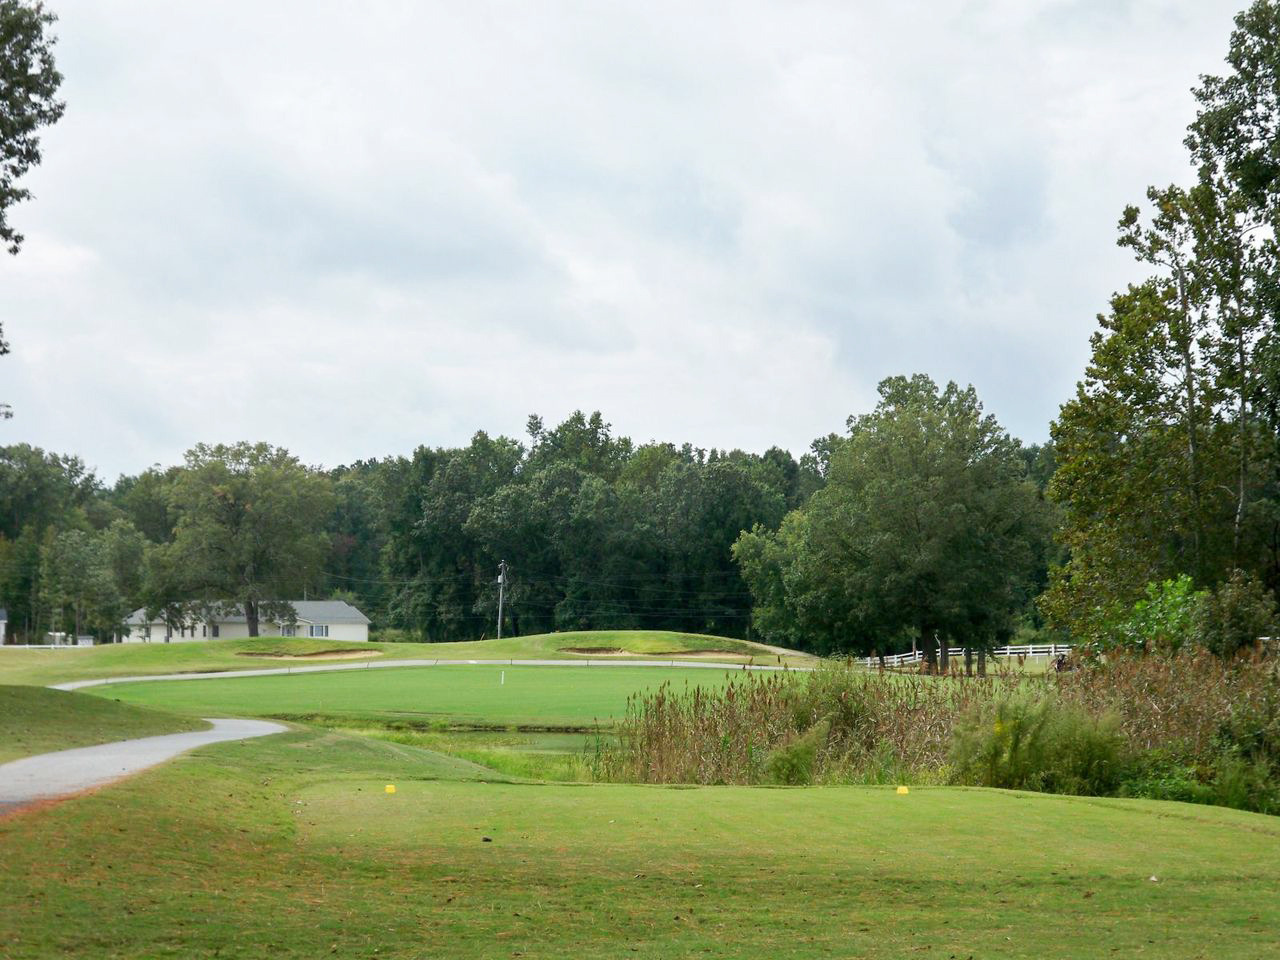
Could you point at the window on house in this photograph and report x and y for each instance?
(204, 630)
(288, 630)
(215, 629)
(319, 630)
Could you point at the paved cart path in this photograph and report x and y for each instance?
(52, 775)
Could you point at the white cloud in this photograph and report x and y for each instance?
(352, 229)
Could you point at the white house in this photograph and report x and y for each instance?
(332, 619)
(4, 624)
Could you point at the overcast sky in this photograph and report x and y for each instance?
(353, 228)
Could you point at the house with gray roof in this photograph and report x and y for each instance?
(331, 619)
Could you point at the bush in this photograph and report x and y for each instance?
(792, 764)
(1163, 620)
(1233, 617)
(1040, 744)
(1161, 775)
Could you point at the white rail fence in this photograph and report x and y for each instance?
(1024, 650)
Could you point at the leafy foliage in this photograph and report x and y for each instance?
(249, 531)
(927, 526)
(1235, 616)
(28, 100)
(1026, 743)
(1169, 454)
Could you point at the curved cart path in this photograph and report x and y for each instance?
(52, 775)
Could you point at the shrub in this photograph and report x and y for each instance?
(792, 764)
(1161, 775)
(1233, 617)
(1163, 620)
(1040, 744)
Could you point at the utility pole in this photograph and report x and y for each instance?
(502, 590)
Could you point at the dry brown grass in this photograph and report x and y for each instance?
(902, 727)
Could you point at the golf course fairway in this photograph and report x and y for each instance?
(570, 696)
(290, 846)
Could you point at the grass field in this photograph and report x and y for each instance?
(28, 666)
(554, 697)
(34, 720)
(289, 847)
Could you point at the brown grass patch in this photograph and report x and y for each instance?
(318, 655)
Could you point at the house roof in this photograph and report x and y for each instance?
(308, 611)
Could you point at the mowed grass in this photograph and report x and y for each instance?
(480, 695)
(34, 720)
(19, 665)
(289, 847)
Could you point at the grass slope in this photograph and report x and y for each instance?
(34, 720)
(570, 696)
(20, 665)
(289, 847)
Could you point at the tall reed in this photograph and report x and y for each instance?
(842, 723)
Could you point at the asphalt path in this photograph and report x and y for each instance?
(52, 775)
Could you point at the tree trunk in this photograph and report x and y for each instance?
(944, 655)
(1244, 448)
(968, 661)
(927, 640)
(982, 663)
(1185, 342)
(251, 616)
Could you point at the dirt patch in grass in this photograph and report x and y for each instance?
(656, 654)
(318, 655)
(597, 651)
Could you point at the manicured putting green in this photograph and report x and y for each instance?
(470, 694)
(40, 667)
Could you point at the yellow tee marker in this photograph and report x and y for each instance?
(903, 791)
(391, 788)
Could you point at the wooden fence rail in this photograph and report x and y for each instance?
(1023, 650)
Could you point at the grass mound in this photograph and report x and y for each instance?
(35, 720)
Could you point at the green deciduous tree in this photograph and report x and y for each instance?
(1235, 616)
(28, 100)
(927, 526)
(249, 532)
(1169, 455)
(28, 87)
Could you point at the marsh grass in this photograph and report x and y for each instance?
(1190, 727)
(861, 726)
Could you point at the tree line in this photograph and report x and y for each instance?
(599, 533)
(1152, 518)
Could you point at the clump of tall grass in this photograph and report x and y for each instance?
(839, 723)
(1189, 726)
